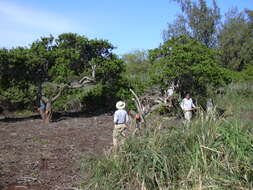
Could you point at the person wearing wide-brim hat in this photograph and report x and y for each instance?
(120, 119)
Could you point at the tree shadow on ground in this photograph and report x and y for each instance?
(57, 116)
(14, 119)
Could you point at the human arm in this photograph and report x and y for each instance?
(193, 106)
(127, 118)
(115, 118)
(182, 105)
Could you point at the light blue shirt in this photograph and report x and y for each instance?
(120, 117)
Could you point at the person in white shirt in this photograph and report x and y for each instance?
(120, 119)
(169, 94)
(170, 91)
(187, 107)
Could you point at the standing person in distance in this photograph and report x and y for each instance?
(120, 120)
(169, 94)
(187, 107)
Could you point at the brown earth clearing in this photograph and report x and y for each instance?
(35, 156)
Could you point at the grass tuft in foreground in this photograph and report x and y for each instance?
(208, 154)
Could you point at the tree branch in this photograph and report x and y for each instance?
(44, 99)
(138, 105)
(93, 67)
(85, 81)
(82, 83)
(58, 95)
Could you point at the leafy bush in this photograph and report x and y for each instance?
(190, 63)
(57, 61)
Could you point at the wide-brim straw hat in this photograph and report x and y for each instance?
(120, 105)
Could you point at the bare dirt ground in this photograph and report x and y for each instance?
(35, 156)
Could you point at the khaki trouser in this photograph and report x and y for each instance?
(119, 134)
(187, 116)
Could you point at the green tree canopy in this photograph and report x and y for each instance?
(236, 40)
(64, 59)
(137, 63)
(189, 62)
(198, 21)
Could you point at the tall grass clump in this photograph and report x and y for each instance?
(214, 153)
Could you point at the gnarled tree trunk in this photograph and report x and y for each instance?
(47, 112)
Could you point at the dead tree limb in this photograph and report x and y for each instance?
(138, 105)
(93, 66)
(81, 83)
(149, 102)
(86, 79)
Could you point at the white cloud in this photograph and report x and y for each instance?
(30, 17)
(21, 25)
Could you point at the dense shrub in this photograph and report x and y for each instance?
(190, 63)
(50, 62)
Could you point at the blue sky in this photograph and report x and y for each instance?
(127, 24)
